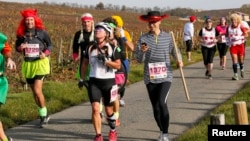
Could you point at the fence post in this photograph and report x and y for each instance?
(240, 111)
(217, 119)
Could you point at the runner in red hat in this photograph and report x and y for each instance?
(155, 49)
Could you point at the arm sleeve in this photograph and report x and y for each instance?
(200, 33)
(75, 43)
(18, 43)
(140, 56)
(48, 42)
(6, 48)
(176, 55)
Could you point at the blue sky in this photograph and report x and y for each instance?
(194, 4)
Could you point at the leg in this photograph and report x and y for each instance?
(235, 64)
(204, 51)
(3, 137)
(210, 59)
(37, 93)
(116, 110)
(158, 96)
(189, 45)
(189, 55)
(111, 121)
(95, 97)
(111, 117)
(96, 119)
(2, 134)
(164, 91)
(122, 102)
(154, 97)
(224, 58)
(40, 101)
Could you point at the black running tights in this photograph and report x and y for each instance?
(158, 96)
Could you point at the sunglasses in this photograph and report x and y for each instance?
(99, 29)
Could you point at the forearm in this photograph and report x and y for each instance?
(114, 64)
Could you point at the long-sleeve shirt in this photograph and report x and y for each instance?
(40, 41)
(82, 45)
(160, 49)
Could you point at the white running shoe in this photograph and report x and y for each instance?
(122, 103)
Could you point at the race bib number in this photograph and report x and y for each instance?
(113, 93)
(32, 50)
(223, 39)
(157, 70)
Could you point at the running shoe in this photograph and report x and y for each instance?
(44, 121)
(122, 103)
(235, 77)
(242, 73)
(165, 138)
(9, 138)
(98, 138)
(206, 73)
(117, 122)
(112, 136)
(223, 67)
(209, 76)
(103, 118)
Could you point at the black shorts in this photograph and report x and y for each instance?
(32, 80)
(189, 45)
(100, 88)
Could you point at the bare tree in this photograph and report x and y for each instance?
(123, 8)
(100, 6)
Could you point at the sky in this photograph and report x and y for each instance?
(193, 4)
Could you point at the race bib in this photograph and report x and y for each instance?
(32, 50)
(157, 70)
(223, 39)
(113, 93)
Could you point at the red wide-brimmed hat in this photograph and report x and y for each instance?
(29, 13)
(153, 16)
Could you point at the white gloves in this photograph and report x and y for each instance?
(122, 34)
(11, 64)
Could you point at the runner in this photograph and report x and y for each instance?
(222, 46)
(189, 36)
(82, 39)
(5, 54)
(121, 74)
(35, 45)
(246, 26)
(155, 49)
(207, 38)
(236, 35)
(103, 63)
(120, 32)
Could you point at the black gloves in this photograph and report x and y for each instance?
(81, 83)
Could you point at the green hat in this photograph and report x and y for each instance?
(3, 39)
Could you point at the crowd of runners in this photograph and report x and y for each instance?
(101, 49)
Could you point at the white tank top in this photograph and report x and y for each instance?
(97, 68)
(208, 37)
(235, 36)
